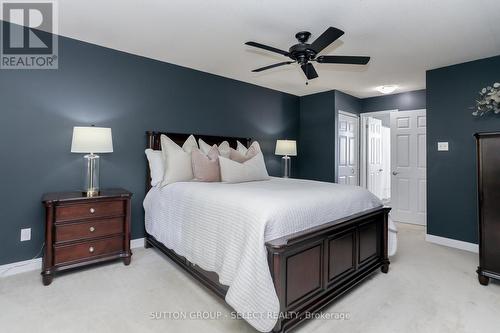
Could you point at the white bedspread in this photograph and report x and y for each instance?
(223, 228)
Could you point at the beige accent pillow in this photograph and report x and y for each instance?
(252, 170)
(177, 160)
(242, 149)
(224, 148)
(206, 167)
(240, 155)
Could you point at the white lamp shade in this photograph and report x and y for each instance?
(286, 147)
(92, 140)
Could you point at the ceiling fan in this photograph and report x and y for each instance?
(304, 53)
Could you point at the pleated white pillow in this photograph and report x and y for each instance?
(177, 160)
(252, 170)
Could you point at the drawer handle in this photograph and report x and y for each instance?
(91, 249)
(92, 210)
(92, 229)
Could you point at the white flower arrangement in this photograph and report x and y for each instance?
(489, 101)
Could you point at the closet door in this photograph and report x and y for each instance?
(374, 147)
(409, 167)
(348, 149)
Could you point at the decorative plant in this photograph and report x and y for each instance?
(488, 101)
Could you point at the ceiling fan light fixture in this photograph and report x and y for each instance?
(387, 89)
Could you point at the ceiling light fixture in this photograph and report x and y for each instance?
(387, 89)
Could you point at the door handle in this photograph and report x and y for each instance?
(380, 170)
(352, 170)
(394, 173)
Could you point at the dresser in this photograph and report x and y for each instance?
(488, 167)
(81, 231)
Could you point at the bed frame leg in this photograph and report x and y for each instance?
(147, 245)
(385, 268)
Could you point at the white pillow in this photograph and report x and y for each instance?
(156, 168)
(240, 148)
(251, 170)
(178, 166)
(224, 148)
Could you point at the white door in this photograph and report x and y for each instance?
(348, 149)
(408, 161)
(374, 137)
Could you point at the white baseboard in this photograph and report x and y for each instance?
(36, 264)
(457, 244)
(135, 243)
(20, 267)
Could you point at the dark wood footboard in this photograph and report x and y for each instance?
(312, 268)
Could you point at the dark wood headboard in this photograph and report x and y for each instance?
(153, 142)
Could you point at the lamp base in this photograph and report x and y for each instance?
(90, 194)
(286, 166)
(91, 175)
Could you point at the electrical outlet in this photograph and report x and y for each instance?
(443, 146)
(25, 234)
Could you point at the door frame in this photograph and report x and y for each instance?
(337, 146)
(363, 144)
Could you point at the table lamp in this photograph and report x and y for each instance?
(286, 148)
(91, 140)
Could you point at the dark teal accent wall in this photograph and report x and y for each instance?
(319, 115)
(451, 176)
(316, 146)
(411, 100)
(348, 103)
(130, 94)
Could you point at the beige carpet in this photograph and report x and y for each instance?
(429, 289)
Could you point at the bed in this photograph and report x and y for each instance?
(277, 250)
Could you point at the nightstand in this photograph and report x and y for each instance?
(81, 230)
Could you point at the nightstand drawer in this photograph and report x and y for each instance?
(89, 210)
(88, 229)
(87, 250)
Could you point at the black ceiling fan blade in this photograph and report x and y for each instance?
(309, 71)
(329, 36)
(353, 60)
(268, 48)
(272, 66)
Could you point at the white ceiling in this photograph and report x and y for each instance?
(403, 37)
